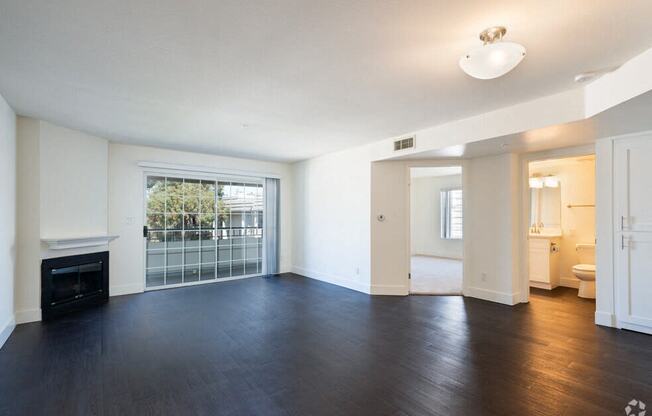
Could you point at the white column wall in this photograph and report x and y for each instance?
(491, 229)
(7, 218)
(604, 232)
(28, 267)
(390, 237)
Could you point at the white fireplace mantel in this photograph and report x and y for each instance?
(64, 243)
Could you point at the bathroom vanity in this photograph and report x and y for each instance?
(544, 260)
(545, 235)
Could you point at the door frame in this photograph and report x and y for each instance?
(567, 152)
(463, 164)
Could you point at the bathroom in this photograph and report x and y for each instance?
(561, 243)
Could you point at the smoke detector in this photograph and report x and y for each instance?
(588, 76)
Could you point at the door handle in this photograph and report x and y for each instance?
(625, 221)
(622, 242)
(145, 230)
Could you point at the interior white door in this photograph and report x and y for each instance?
(633, 233)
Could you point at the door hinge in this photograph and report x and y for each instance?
(409, 275)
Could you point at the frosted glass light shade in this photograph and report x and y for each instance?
(551, 182)
(536, 183)
(492, 60)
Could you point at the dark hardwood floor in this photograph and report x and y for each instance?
(295, 346)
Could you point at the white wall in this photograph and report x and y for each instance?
(28, 267)
(126, 200)
(390, 238)
(605, 304)
(7, 218)
(331, 218)
(62, 192)
(425, 217)
(74, 183)
(337, 237)
(345, 192)
(491, 228)
(577, 186)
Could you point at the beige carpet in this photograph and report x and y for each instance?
(436, 276)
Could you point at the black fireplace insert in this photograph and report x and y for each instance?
(74, 282)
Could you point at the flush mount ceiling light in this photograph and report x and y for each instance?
(494, 58)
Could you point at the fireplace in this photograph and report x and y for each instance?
(74, 282)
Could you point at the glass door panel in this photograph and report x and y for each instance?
(155, 249)
(201, 230)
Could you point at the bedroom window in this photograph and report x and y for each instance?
(452, 214)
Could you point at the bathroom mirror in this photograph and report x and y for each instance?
(546, 207)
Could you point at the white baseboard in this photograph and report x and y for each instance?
(390, 290)
(285, 268)
(126, 289)
(573, 282)
(439, 256)
(6, 330)
(635, 327)
(541, 285)
(335, 280)
(605, 319)
(28, 315)
(492, 295)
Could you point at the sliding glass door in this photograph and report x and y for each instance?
(201, 229)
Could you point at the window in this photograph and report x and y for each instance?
(200, 229)
(451, 214)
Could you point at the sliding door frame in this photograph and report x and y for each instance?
(213, 177)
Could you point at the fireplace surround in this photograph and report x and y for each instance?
(73, 282)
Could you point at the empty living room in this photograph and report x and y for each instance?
(370, 207)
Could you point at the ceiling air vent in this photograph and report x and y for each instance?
(402, 144)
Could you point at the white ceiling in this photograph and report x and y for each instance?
(287, 80)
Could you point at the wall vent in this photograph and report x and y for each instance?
(402, 144)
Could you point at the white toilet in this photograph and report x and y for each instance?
(585, 271)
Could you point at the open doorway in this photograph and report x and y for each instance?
(561, 236)
(436, 230)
